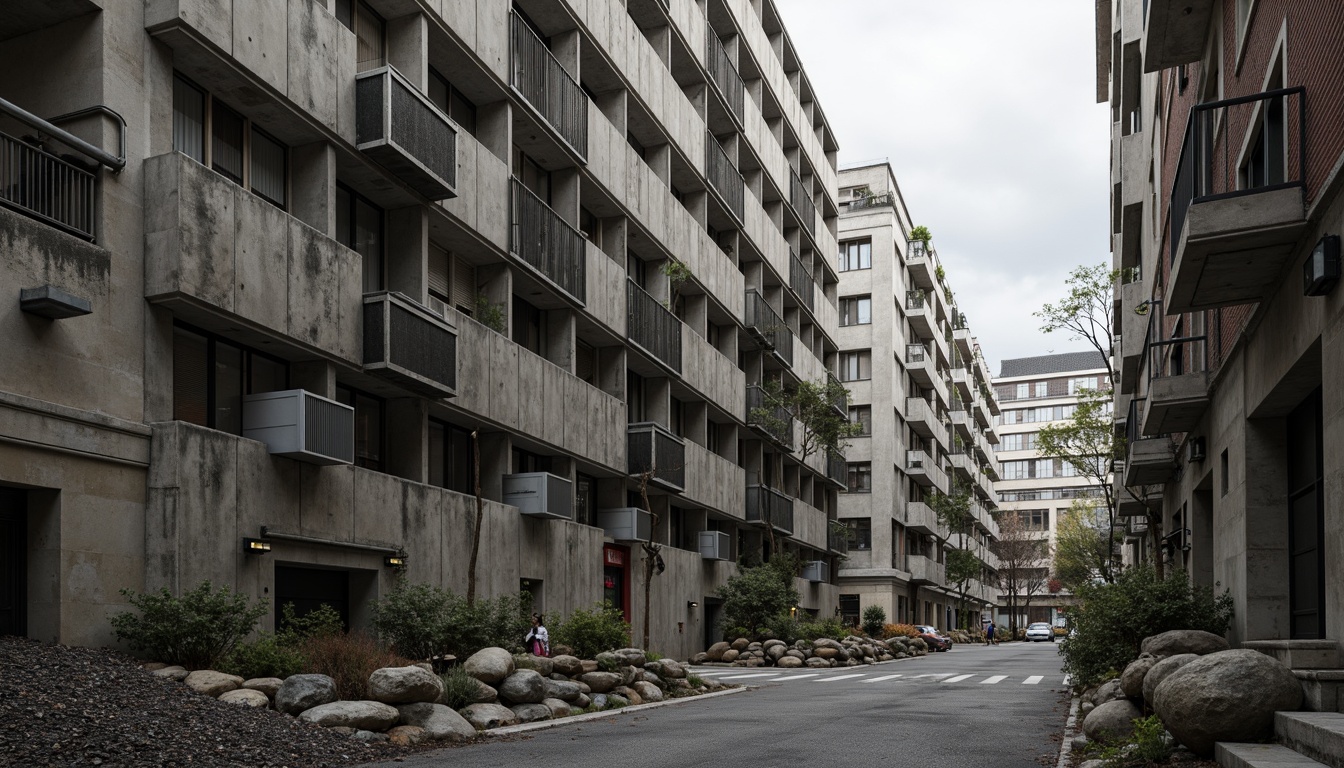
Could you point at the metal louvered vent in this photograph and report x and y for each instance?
(400, 128)
(407, 344)
(301, 425)
(651, 447)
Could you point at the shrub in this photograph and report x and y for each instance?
(502, 622)
(1111, 620)
(348, 659)
(197, 630)
(873, 620)
(421, 621)
(832, 628)
(323, 620)
(759, 595)
(695, 681)
(899, 630)
(266, 656)
(1147, 746)
(590, 632)
(459, 688)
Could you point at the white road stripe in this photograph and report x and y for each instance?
(746, 677)
(880, 679)
(1034, 679)
(791, 678)
(837, 677)
(956, 679)
(993, 680)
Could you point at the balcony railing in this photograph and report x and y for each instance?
(765, 324)
(653, 326)
(723, 74)
(539, 78)
(402, 130)
(769, 417)
(723, 176)
(915, 300)
(841, 401)
(801, 199)
(1175, 356)
(916, 353)
(39, 184)
(1209, 168)
(653, 449)
(871, 201)
(547, 243)
(766, 506)
(409, 345)
(837, 470)
(837, 542)
(917, 249)
(800, 280)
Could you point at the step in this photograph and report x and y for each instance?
(1299, 654)
(1233, 755)
(1322, 689)
(1318, 735)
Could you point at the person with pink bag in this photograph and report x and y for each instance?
(538, 640)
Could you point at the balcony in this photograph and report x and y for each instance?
(1148, 461)
(1175, 32)
(841, 402)
(961, 422)
(1127, 505)
(771, 420)
(963, 464)
(653, 327)
(961, 379)
(924, 570)
(919, 364)
(723, 75)
(961, 337)
(766, 506)
(884, 200)
(837, 542)
(1131, 326)
(723, 177)
(767, 327)
(921, 518)
(800, 280)
(1233, 230)
(655, 450)
(45, 187)
(544, 241)
(980, 409)
(920, 260)
(921, 469)
(919, 310)
(837, 470)
(1178, 379)
(920, 417)
(406, 134)
(410, 346)
(552, 93)
(800, 197)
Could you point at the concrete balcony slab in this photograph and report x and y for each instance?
(1176, 403)
(1151, 461)
(1175, 33)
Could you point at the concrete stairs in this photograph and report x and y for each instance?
(1305, 740)
(1316, 663)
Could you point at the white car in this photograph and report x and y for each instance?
(1041, 631)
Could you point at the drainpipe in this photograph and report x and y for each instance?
(65, 137)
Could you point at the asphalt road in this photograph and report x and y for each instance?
(1002, 706)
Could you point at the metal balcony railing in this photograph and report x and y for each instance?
(651, 447)
(539, 78)
(547, 243)
(766, 506)
(837, 470)
(1209, 168)
(800, 197)
(52, 190)
(1178, 355)
(916, 250)
(916, 353)
(723, 176)
(723, 74)
(765, 324)
(915, 300)
(769, 417)
(653, 326)
(837, 542)
(399, 127)
(871, 201)
(800, 280)
(409, 345)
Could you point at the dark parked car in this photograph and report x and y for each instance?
(935, 640)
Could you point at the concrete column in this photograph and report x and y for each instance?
(615, 230)
(697, 204)
(565, 49)
(316, 376)
(661, 40)
(658, 400)
(1264, 525)
(612, 104)
(694, 414)
(611, 371)
(494, 128)
(496, 285)
(407, 252)
(659, 159)
(408, 453)
(313, 186)
(408, 48)
(697, 313)
(495, 450)
(158, 364)
(565, 194)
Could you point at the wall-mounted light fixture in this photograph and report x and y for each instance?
(691, 605)
(256, 546)
(1320, 272)
(395, 561)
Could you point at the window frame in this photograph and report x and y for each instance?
(858, 256)
(865, 420)
(211, 108)
(858, 356)
(211, 368)
(355, 397)
(349, 240)
(858, 306)
(858, 470)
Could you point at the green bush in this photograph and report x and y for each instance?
(874, 618)
(322, 620)
(459, 688)
(1147, 746)
(266, 656)
(197, 630)
(1110, 621)
(757, 596)
(501, 622)
(590, 632)
(421, 621)
(832, 628)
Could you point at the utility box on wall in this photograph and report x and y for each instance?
(715, 545)
(626, 523)
(300, 425)
(817, 571)
(540, 494)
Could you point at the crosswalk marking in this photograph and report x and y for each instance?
(791, 678)
(838, 677)
(956, 679)
(785, 676)
(993, 680)
(880, 679)
(1034, 679)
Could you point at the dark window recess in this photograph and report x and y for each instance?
(585, 499)
(370, 439)
(529, 327)
(13, 562)
(451, 460)
(359, 227)
(859, 533)
(849, 609)
(533, 177)
(526, 461)
(308, 589)
(585, 362)
(237, 149)
(227, 142)
(451, 102)
(211, 376)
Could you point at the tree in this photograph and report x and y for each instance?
(757, 595)
(954, 513)
(653, 558)
(1022, 572)
(1084, 546)
(1088, 445)
(480, 516)
(812, 404)
(1086, 312)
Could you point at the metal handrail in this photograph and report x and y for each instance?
(65, 137)
(723, 176)
(723, 74)
(545, 84)
(48, 188)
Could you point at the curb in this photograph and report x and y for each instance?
(543, 725)
(1066, 747)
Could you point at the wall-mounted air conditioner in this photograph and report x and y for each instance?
(540, 494)
(817, 571)
(300, 425)
(714, 545)
(626, 523)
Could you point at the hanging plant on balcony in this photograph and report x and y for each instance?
(921, 234)
(490, 315)
(677, 274)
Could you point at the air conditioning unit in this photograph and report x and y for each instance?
(715, 545)
(540, 494)
(626, 523)
(1196, 449)
(817, 571)
(297, 424)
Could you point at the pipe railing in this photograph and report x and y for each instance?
(48, 188)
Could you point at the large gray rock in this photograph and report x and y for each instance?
(826, 642)
(1111, 721)
(715, 651)
(1131, 680)
(819, 663)
(439, 722)
(361, 715)
(525, 686)
(490, 665)
(1177, 641)
(647, 691)
(669, 669)
(776, 652)
(598, 701)
(1225, 696)
(1108, 691)
(485, 694)
(404, 685)
(531, 713)
(301, 692)
(601, 682)
(569, 666)
(540, 664)
(789, 662)
(175, 673)
(1161, 670)
(267, 685)
(212, 683)
(730, 655)
(484, 716)
(563, 690)
(580, 703)
(246, 697)
(632, 657)
(741, 644)
(558, 707)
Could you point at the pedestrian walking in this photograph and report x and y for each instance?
(538, 640)
(989, 634)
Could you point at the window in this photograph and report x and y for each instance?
(856, 310)
(237, 149)
(370, 33)
(369, 420)
(585, 499)
(526, 461)
(1076, 385)
(856, 254)
(863, 416)
(359, 227)
(1035, 519)
(1015, 470)
(451, 102)
(450, 457)
(529, 327)
(860, 477)
(452, 280)
(211, 376)
(856, 366)
(859, 532)
(1022, 441)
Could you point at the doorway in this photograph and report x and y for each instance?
(1306, 520)
(310, 588)
(13, 562)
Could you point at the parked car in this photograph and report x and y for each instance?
(935, 640)
(1040, 631)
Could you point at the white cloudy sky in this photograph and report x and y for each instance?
(987, 111)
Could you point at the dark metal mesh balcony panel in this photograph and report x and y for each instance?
(540, 79)
(800, 197)
(800, 280)
(400, 129)
(547, 243)
(46, 188)
(838, 542)
(408, 346)
(837, 470)
(766, 417)
(766, 506)
(766, 325)
(653, 327)
(723, 177)
(329, 429)
(723, 74)
(650, 446)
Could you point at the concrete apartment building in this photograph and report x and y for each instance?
(920, 387)
(292, 253)
(1035, 391)
(1227, 164)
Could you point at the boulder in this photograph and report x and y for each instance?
(404, 685)
(1131, 680)
(1160, 671)
(598, 701)
(741, 644)
(1225, 696)
(632, 657)
(176, 674)
(1111, 720)
(629, 694)
(826, 642)
(818, 663)
(601, 682)
(212, 683)
(629, 674)
(827, 653)
(648, 691)
(715, 652)
(588, 666)
(608, 660)
(615, 701)
(302, 692)
(364, 715)
(246, 697)
(484, 716)
(532, 712)
(671, 670)
(582, 702)
(795, 653)
(523, 687)
(1177, 641)
(776, 652)
(700, 658)
(789, 662)
(768, 644)
(650, 677)
(267, 685)
(490, 665)
(1108, 691)
(368, 737)
(557, 707)
(485, 694)
(440, 723)
(569, 666)
(406, 735)
(539, 664)
(563, 690)
(729, 655)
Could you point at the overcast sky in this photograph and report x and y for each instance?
(987, 111)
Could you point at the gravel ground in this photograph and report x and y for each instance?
(63, 706)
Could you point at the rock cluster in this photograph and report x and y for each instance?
(822, 653)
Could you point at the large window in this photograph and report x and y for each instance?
(370, 33)
(856, 254)
(209, 132)
(211, 376)
(1021, 441)
(359, 227)
(370, 440)
(860, 477)
(859, 532)
(1035, 519)
(863, 416)
(450, 457)
(1080, 383)
(447, 98)
(856, 366)
(856, 310)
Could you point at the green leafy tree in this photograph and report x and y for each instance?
(825, 429)
(1085, 313)
(759, 595)
(874, 618)
(197, 630)
(1084, 546)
